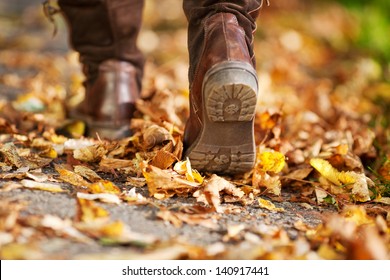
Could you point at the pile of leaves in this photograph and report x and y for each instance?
(322, 141)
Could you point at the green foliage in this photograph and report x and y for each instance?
(374, 18)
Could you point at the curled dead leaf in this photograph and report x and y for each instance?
(211, 194)
(90, 154)
(155, 135)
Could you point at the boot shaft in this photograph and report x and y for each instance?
(198, 12)
(103, 30)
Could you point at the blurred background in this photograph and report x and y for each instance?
(323, 67)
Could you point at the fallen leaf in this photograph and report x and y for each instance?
(11, 156)
(89, 211)
(155, 135)
(103, 186)
(104, 197)
(163, 184)
(164, 159)
(357, 183)
(270, 161)
(71, 177)
(87, 173)
(211, 193)
(266, 204)
(90, 154)
(50, 187)
(184, 168)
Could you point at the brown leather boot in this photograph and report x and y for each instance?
(105, 33)
(219, 133)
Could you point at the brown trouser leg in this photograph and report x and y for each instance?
(102, 30)
(196, 11)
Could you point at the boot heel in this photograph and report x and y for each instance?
(230, 92)
(226, 143)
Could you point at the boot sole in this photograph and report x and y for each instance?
(226, 142)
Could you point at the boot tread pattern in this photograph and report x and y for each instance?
(232, 102)
(229, 160)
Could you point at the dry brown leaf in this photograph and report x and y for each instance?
(11, 156)
(163, 183)
(213, 189)
(161, 107)
(90, 154)
(178, 218)
(123, 164)
(163, 159)
(384, 200)
(74, 144)
(87, 173)
(299, 174)
(271, 183)
(71, 177)
(233, 232)
(155, 135)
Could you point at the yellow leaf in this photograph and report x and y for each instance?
(184, 168)
(326, 170)
(17, 251)
(263, 203)
(89, 211)
(104, 186)
(50, 153)
(271, 161)
(357, 215)
(113, 229)
(71, 177)
(76, 129)
(346, 177)
(356, 183)
(57, 139)
(30, 184)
